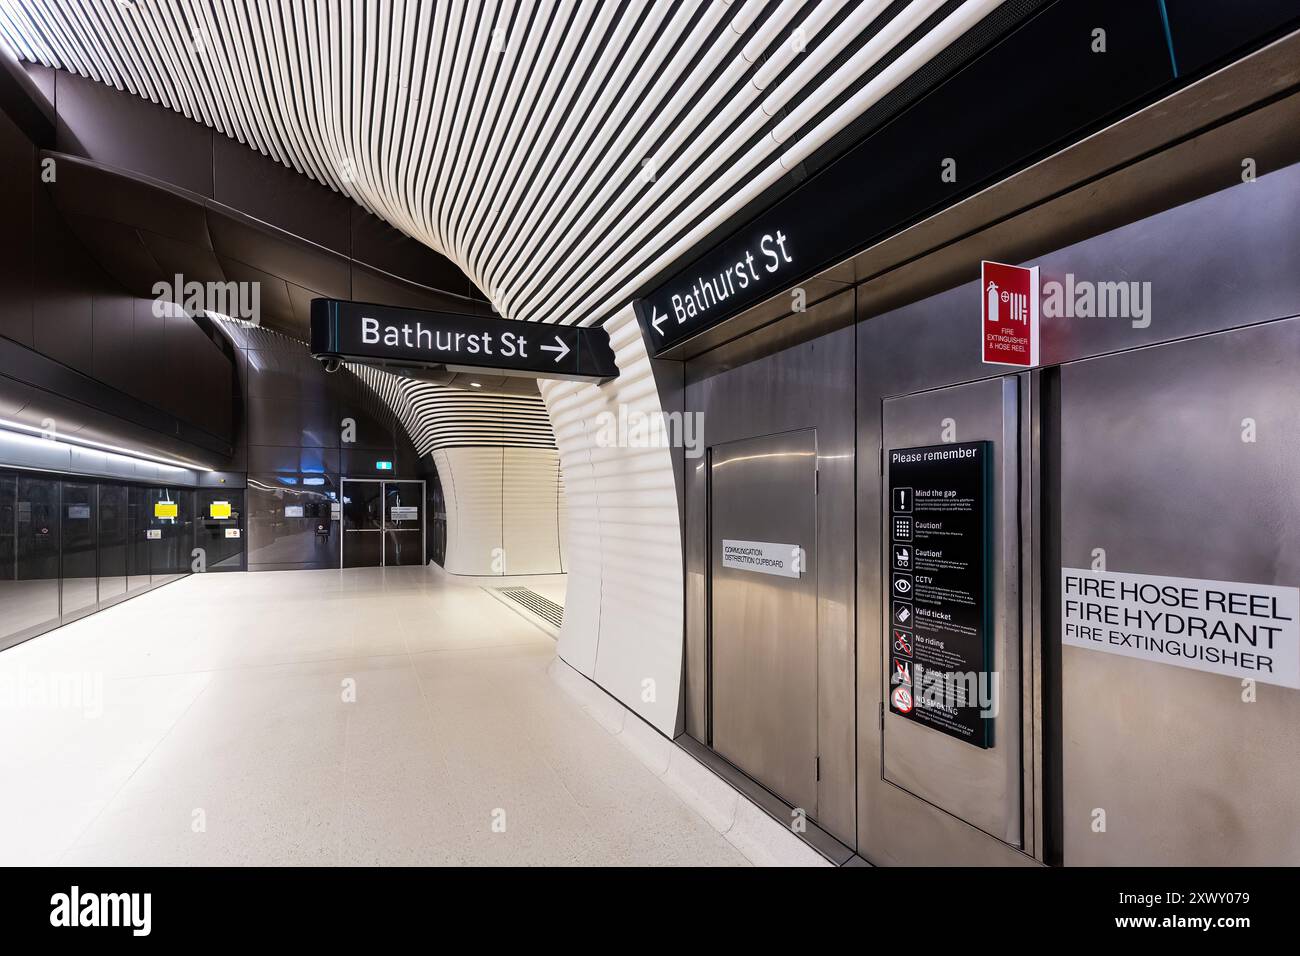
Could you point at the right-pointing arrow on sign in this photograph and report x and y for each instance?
(559, 348)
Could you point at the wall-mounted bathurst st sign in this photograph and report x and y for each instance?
(416, 338)
(746, 269)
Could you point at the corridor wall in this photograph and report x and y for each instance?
(503, 510)
(623, 611)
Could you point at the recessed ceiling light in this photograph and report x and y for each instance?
(475, 385)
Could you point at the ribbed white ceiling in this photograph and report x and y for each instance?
(436, 416)
(561, 152)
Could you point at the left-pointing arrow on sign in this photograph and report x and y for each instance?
(658, 320)
(559, 348)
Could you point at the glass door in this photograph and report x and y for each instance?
(170, 538)
(32, 604)
(363, 523)
(137, 556)
(403, 522)
(114, 540)
(219, 524)
(79, 561)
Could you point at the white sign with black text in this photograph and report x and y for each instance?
(1224, 627)
(786, 560)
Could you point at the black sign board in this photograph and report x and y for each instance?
(746, 269)
(416, 338)
(937, 575)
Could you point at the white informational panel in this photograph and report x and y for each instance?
(293, 511)
(763, 557)
(1224, 627)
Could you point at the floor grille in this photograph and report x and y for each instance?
(544, 608)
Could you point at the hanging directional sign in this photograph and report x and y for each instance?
(416, 338)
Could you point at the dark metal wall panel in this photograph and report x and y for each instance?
(95, 358)
(1203, 33)
(18, 160)
(122, 130)
(379, 244)
(246, 180)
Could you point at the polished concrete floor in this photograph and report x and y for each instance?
(394, 716)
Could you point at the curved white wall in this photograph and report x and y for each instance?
(623, 612)
(503, 510)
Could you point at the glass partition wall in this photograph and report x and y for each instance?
(71, 546)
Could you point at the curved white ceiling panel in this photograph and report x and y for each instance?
(436, 416)
(561, 152)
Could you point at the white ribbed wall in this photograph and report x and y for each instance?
(623, 611)
(530, 522)
(502, 510)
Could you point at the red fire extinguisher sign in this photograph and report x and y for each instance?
(1009, 312)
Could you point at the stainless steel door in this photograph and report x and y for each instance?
(980, 786)
(1180, 460)
(763, 492)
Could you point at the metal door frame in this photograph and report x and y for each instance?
(383, 519)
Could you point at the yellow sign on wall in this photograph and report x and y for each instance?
(164, 509)
(219, 509)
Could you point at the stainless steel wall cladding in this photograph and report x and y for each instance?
(1150, 444)
(1179, 461)
(1155, 440)
(795, 394)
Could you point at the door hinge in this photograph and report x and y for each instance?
(882, 715)
(817, 765)
(882, 459)
(817, 481)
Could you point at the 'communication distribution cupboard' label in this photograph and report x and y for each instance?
(785, 560)
(1224, 627)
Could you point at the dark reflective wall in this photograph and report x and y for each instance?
(304, 431)
(98, 354)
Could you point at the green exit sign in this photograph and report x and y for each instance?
(383, 466)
